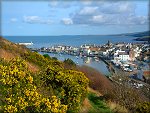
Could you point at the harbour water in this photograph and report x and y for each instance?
(88, 61)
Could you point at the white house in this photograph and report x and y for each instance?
(120, 55)
(123, 56)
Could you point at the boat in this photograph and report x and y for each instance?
(77, 57)
(96, 60)
(26, 44)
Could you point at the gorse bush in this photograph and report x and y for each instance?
(69, 85)
(36, 58)
(19, 93)
(143, 107)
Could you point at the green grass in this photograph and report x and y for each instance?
(98, 104)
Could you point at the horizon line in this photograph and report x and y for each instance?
(81, 34)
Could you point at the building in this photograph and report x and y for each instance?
(123, 56)
(120, 55)
(132, 55)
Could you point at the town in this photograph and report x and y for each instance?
(132, 58)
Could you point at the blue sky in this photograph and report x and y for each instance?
(77, 17)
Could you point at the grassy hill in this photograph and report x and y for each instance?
(30, 82)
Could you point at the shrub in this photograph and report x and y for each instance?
(98, 81)
(143, 107)
(47, 56)
(18, 93)
(69, 64)
(69, 85)
(54, 58)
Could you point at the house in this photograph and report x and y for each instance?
(123, 56)
(103, 51)
(94, 50)
(87, 45)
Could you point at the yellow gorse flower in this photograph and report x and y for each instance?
(8, 100)
(30, 79)
(10, 109)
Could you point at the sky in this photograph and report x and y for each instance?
(74, 17)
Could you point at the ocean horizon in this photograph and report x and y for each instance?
(71, 40)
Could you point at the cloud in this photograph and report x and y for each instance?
(31, 19)
(53, 3)
(137, 20)
(108, 13)
(86, 2)
(98, 19)
(88, 10)
(13, 20)
(61, 4)
(110, 7)
(67, 21)
(36, 20)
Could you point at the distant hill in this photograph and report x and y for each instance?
(145, 38)
(139, 34)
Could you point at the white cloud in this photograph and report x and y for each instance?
(98, 19)
(31, 19)
(137, 20)
(61, 4)
(86, 2)
(53, 3)
(36, 20)
(67, 21)
(88, 10)
(108, 13)
(13, 20)
(119, 7)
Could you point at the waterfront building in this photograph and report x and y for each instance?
(132, 54)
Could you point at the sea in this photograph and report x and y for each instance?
(76, 41)
(72, 40)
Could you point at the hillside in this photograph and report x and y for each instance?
(139, 34)
(30, 82)
(41, 77)
(9, 50)
(145, 38)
